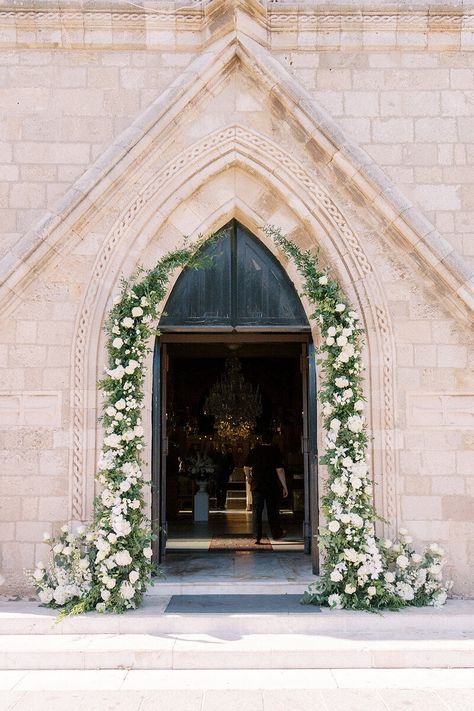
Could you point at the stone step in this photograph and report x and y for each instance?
(209, 587)
(232, 651)
(455, 620)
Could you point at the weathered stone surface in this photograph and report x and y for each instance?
(257, 127)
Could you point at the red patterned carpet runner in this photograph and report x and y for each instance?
(238, 542)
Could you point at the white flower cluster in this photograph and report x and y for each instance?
(69, 573)
(413, 577)
(108, 557)
(357, 571)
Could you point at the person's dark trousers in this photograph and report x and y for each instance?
(273, 511)
(272, 500)
(258, 502)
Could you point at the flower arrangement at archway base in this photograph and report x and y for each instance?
(107, 566)
(359, 571)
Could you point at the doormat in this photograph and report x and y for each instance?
(238, 542)
(239, 604)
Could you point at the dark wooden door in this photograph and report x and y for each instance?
(310, 454)
(159, 450)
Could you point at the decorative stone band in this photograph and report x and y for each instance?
(172, 25)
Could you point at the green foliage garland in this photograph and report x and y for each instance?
(107, 567)
(359, 571)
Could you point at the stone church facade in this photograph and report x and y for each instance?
(125, 126)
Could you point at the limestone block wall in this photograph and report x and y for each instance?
(71, 82)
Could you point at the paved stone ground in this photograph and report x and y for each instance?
(243, 690)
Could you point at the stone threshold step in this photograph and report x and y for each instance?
(231, 587)
(454, 620)
(202, 651)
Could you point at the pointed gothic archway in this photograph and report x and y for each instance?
(243, 300)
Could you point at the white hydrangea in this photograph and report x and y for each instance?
(123, 558)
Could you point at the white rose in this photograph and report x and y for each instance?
(105, 594)
(349, 589)
(402, 561)
(45, 596)
(341, 341)
(356, 482)
(347, 462)
(58, 548)
(359, 405)
(137, 311)
(117, 343)
(121, 527)
(127, 322)
(355, 423)
(147, 552)
(416, 558)
(123, 558)
(348, 393)
(127, 591)
(135, 504)
(125, 485)
(144, 301)
(336, 576)
(84, 563)
(338, 487)
(351, 555)
(345, 518)
(38, 574)
(100, 607)
(110, 411)
(335, 601)
(389, 577)
(340, 308)
(331, 331)
(112, 440)
(335, 424)
(329, 341)
(112, 538)
(371, 590)
(118, 416)
(132, 366)
(403, 531)
(115, 329)
(341, 382)
(387, 543)
(116, 373)
(60, 595)
(334, 526)
(107, 498)
(323, 280)
(110, 583)
(357, 520)
(133, 576)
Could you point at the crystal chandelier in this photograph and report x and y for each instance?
(234, 403)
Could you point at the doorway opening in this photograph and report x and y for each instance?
(240, 318)
(274, 372)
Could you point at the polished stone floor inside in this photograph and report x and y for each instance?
(188, 556)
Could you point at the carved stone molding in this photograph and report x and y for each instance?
(258, 150)
(112, 24)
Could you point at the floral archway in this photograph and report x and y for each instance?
(107, 566)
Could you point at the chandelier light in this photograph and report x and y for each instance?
(234, 403)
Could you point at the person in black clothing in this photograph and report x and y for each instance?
(264, 467)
